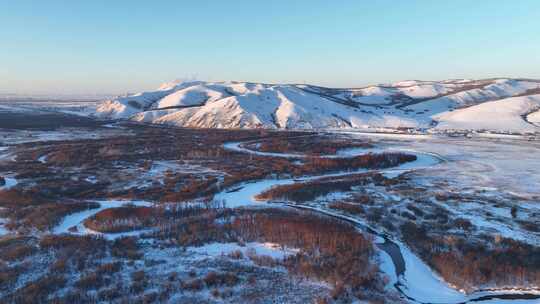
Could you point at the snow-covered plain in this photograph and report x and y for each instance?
(267, 249)
(500, 165)
(503, 170)
(70, 105)
(497, 105)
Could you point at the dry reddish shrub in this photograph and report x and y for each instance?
(347, 207)
(38, 291)
(195, 285)
(213, 279)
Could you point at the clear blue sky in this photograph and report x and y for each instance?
(77, 46)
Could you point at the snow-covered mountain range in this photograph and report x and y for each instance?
(500, 105)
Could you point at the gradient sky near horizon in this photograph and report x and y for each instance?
(84, 47)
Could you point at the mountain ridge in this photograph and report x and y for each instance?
(406, 104)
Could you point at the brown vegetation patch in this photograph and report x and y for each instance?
(45, 216)
(310, 144)
(330, 250)
(122, 219)
(468, 264)
(308, 191)
(16, 248)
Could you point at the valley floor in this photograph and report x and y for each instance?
(115, 212)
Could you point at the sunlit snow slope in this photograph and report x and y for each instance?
(501, 105)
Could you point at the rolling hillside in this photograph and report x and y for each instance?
(500, 105)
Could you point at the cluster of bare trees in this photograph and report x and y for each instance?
(367, 161)
(330, 250)
(310, 144)
(492, 262)
(13, 197)
(350, 208)
(15, 248)
(122, 219)
(129, 218)
(39, 290)
(204, 147)
(64, 255)
(239, 168)
(308, 191)
(29, 209)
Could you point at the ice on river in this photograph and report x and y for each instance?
(10, 182)
(420, 283)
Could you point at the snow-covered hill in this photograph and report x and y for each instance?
(505, 115)
(502, 105)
